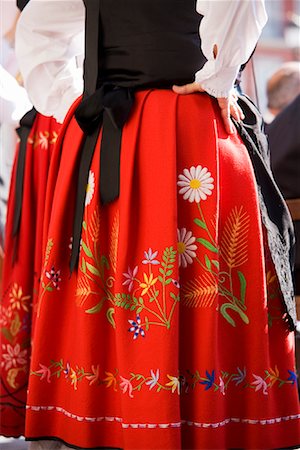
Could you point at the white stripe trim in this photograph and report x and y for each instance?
(164, 425)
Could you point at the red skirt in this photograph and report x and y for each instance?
(170, 334)
(21, 275)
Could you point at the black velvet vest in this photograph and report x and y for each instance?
(146, 43)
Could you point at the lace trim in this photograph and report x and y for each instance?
(280, 259)
(164, 425)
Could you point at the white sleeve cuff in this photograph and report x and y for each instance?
(217, 83)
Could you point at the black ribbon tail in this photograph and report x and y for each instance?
(110, 161)
(23, 132)
(85, 162)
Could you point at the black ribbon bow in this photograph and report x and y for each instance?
(108, 107)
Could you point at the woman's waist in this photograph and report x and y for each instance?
(148, 68)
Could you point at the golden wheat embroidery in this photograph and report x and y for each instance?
(95, 225)
(200, 292)
(234, 241)
(114, 242)
(83, 291)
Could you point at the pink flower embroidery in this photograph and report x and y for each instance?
(222, 386)
(94, 378)
(260, 383)
(130, 276)
(13, 357)
(126, 386)
(45, 372)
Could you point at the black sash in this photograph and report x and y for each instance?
(23, 131)
(108, 106)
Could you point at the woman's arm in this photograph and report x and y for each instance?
(229, 32)
(56, 28)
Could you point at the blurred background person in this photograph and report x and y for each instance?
(282, 88)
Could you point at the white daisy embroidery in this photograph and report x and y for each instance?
(196, 184)
(90, 188)
(186, 247)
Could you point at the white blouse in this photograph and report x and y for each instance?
(50, 35)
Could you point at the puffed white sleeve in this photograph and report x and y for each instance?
(49, 40)
(229, 32)
(14, 102)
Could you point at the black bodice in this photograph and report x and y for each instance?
(149, 42)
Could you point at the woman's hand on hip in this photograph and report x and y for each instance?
(228, 105)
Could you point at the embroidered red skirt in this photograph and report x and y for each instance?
(170, 334)
(21, 274)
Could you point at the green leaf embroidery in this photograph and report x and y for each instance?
(83, 265)
(207, 262)
(235, 308)
(216, 263)
(243, 286)
(109, 314)
(200, 223)
(87, 251)
(7, 334)
(95, 308)
(207, 244)
(84, 225)
(93, 269)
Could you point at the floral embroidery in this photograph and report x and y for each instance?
(17, 299)
(14, 320)
(174, 384)
(125, 386)
(130, 277)
(186, 247)
(152, 294)
(43, 139)
(90, 188)
(54, 277)
(136, 327)
(228, 252)
(150, 257)
(5, 315)
(260, 383)
(196, 184)
(147, 283)
(183, 383)
(14, 356)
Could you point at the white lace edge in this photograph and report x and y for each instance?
(125, 425)
(280, 259)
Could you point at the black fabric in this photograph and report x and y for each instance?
(284, 139)
(22, 3)
(23, 131)
(252, 134)
(150, 46)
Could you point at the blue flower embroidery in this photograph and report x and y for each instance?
(136, 327)
(292, 377)
(239, 378)
(209, 381)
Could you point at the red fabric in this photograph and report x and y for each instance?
(117, 359)
(21, 278)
